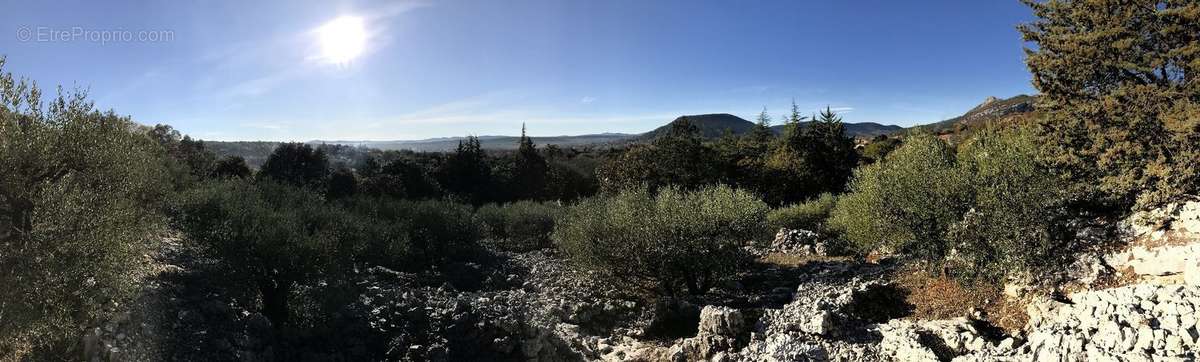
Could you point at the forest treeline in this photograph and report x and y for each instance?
(85, 194)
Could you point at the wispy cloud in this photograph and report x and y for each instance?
(265, 125)
(587, 100)
(842, 109)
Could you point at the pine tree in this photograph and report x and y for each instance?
(529, 178)
(1120, 87)
(466, 172)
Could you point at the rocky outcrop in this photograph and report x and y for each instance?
(907, 340)
(793, 241)
(1165, 245)
(1134, 323)
(820, 323)
(718, 334)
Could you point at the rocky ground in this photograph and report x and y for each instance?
(1133, 303)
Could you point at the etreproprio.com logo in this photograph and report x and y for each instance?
(47, 34)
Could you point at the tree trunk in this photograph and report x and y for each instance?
(693, 283)
(21, 216)
(275, 302)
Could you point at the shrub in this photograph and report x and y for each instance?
(271, 236)
(519, 226)
(810, 215)
(1016, 221)
(342, 183)
(990, 211)
(411, 235)
(669, 241)
(906, 203)
(232, 167)
(78, 195)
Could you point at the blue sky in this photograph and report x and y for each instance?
(251, 70)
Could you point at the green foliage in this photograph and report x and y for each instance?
(187, 161)
(808, 160)
(519, 226)
(297, 164)
(527, 180)
(412, 235)
(878, 148)
(231, 167)
(271, 235)
(810, 215)
(78, 192)
(743, 158)
(906, 203)
(342, 183)
(1118, 83)
(467, 173)
(667, 242)
(678, 158)
(990, 210)
(1017, 222)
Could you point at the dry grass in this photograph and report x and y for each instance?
(940, 297)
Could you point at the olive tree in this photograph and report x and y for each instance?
(271, 236)
(669, 241)
(77, 214)
(988, 210)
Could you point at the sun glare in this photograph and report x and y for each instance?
(342, 39)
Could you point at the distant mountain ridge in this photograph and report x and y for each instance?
(714, 125)
(710, 125)
(442, 144)
(992, 109)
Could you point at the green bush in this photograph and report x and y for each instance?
(1017, 221)
(906, 203)
(990, 210)
(273, 237)
(667, 242)
(810, 215)
(78, 200)
(411, 235)
(519, 226)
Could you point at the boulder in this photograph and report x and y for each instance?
(721, 321)
(797, 242)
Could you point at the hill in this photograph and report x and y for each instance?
(443, 144)
(710, 125)
(992, 109)
(857, 130)
(714, 125)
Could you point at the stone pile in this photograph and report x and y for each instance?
(794, 241)
(1137, 322)
(908, 340)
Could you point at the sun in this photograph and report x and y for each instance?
(342, 39)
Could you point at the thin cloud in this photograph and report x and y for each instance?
(264, 125)
(587, 100)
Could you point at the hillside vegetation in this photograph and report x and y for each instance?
(126, 242)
